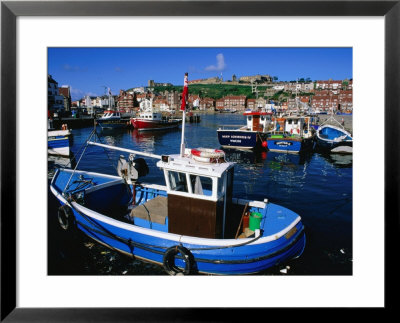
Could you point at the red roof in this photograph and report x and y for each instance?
(64, 91)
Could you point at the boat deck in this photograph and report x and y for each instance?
(155, 210)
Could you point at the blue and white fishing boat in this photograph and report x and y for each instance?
(334, 139)
(251, 136)
(59, 141)
(291, 134)
(191, 225)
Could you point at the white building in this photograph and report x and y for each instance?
(88, 101)
(55, 101)
(139, 89)
(278, 87)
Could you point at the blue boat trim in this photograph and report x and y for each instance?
(132, 244)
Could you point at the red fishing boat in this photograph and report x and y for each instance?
(150, 120)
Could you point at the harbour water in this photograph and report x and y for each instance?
(318, 187)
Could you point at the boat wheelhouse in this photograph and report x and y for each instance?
(111, 119)
(251, 136)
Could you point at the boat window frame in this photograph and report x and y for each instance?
(188, 188)
(214, 194)
(200, 176)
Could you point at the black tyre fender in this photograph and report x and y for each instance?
(169, 261)
(66, 218)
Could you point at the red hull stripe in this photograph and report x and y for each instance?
(145, 124)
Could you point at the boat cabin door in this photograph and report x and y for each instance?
(197, 202)
(253, 123)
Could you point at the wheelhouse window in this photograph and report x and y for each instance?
(201, 185)
(249, 118)
(177, 181)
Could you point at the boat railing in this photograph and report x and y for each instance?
(280, 133)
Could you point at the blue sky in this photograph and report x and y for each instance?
(88, 70)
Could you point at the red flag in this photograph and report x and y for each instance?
(185, 92)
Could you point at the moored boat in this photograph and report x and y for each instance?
(192, 224)
(151, 120)
(334, 139)
(111, 119)
(59, 142)
(251, 136)
(291, 134)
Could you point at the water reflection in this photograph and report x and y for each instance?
(340, 160)
(57, 161)
(150, 138)
(243, 157)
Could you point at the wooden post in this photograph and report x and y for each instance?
(241, 220)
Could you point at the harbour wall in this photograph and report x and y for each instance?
(345, 120)
(73, 123)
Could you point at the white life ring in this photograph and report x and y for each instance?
(207, 155)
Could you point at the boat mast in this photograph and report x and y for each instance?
(183, 108)
(109, 99)
(135, 152)
(297, 102)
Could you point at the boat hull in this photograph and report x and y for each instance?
(59, 142)
(111, 124)
(231, 262)
(148, 125)
(334, 139)
(242, 139)
(235, 260)
(289, 144)
(344, 147)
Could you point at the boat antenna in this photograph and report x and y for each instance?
(183, 108)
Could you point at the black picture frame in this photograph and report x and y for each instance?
(10, 10)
